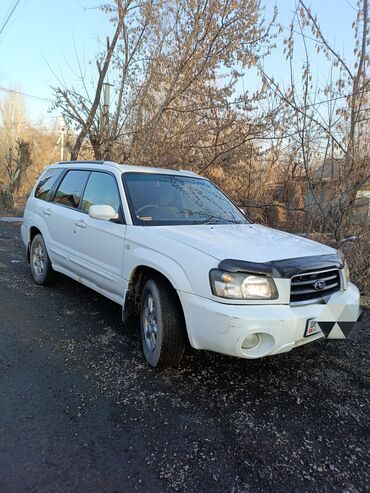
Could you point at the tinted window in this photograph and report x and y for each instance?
(101, 189)
(157, 199)
(71, 188)
(46, 182)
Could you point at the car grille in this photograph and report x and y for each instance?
(303, 285)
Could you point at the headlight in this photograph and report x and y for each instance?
(345, 270)
(240, 286)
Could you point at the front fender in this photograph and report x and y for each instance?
(172, 270)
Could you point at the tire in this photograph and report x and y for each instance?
(162, 325)
(41, 269)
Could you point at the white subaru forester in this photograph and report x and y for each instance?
(180, 257)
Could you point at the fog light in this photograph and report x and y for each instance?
(251, 341)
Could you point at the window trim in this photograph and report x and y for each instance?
(51, 190)
(121, 213)
(56, 185)
(59, 183)
(134, 219)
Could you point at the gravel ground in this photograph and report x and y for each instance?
(81, 411)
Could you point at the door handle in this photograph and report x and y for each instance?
(80, 224)
(46, 212)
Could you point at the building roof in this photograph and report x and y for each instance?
(330, 170)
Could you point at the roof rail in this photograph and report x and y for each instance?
(81, 161)
(188, 171)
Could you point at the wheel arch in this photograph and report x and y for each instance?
(139, 275)
(33, 231)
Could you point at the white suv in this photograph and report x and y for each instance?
(185, 262)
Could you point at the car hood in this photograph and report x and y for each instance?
(251, 242)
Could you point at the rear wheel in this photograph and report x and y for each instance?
(162, 324)
(42, 271)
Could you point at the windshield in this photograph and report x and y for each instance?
(158, 199)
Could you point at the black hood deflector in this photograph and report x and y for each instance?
(285, 268)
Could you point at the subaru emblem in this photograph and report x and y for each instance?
(319, 285)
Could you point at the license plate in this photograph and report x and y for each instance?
(312, 327)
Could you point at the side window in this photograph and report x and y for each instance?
(46, 182)
(101, 189)
(71, 188)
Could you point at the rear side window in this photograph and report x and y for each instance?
(70, 190)
(101, 189)
(46, 182)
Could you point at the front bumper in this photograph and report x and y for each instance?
(222, 327)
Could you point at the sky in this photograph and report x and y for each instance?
(39, 44)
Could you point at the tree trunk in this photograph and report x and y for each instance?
(102, 73)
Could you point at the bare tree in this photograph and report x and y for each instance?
(17, 161)
(83, 110)
(168, 89)
(185, 113)
(327, 124)
(15, 147)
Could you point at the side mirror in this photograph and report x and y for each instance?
(103, 212)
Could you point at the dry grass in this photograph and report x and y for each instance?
(356, 249)
(357, 253)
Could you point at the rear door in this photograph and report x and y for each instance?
(64, 217)
(101, 243)
(37, 212)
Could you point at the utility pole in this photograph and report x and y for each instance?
(106, 103)
(105, 119)
(61, 139)
(62, 144)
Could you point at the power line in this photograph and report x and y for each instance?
(14, 18)
(336, 98)
(11, 5)
(7, 12)
(187, 109)
(13, 91)
(318, 103)
(9, 16)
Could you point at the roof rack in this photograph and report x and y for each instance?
(81, 161)
(188, 171)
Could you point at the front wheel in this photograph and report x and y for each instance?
(42, 271)
(162, 324)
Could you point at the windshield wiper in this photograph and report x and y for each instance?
(209, 219)
(221, 220)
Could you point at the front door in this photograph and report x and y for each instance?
(101, 243)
